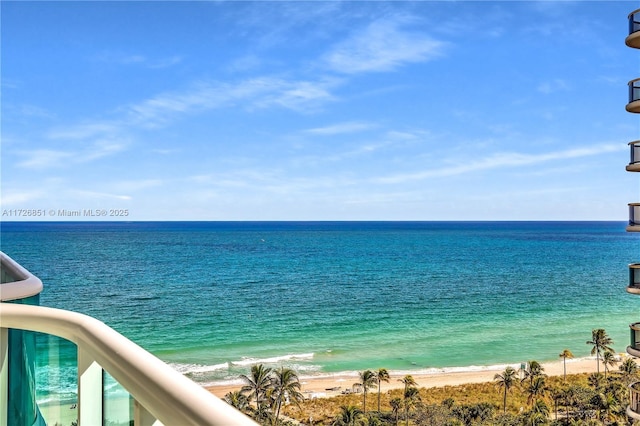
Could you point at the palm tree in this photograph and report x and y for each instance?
(349, 415)
(534, 369)
(600, 341)
(629, 369)
(411, 396)
(608, 360)
(506, 380)
(237, 400)
(606, 404)
(396, 404)
(536, 388)
(408, 382)
(382, 375)
(564, 355)
(539, 413)
(367, 380)
(257, 385)
(594, 380)
(285, 385)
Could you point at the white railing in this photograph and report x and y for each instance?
(161, 395)
(17, 282)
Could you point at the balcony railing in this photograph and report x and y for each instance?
(634, 344)
(633, 39)
(161, 395)
(634, 278)
(634, 96)
(634, 160)
(634, 217)
(633, 410)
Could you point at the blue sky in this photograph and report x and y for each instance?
(319, 110)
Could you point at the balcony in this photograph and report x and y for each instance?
(634, 217)
(149, 392)
(634, 96)
(634, 345)
(633, 39)
(634, 161)
(633, 410)
(634, 278)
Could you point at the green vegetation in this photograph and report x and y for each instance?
(536, 399)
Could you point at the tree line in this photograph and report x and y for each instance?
(599, 399)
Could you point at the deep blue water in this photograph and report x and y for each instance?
(211, 298)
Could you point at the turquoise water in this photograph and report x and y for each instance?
(214, 298)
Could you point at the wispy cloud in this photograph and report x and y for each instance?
(137, 59)
(85, 130)
(48, 158)
(99, 195)
(501, 160)
(553, 86)
(252, 93)
(12, 197)
(137, 185)
(341, 128)
(44, 158)
(383, 46)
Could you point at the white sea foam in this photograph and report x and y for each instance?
(198, 368)
(273, 360)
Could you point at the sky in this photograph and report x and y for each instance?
(290, 110)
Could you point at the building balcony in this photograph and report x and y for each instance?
(633, 410)
(633, 39)
(634, 278)
(634, 96)
(634, 345)
(634, 217)
(148, 392)
(634, 161)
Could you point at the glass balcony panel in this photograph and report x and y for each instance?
(634, 214)
(56, 379)
(634, 275)
(635, 336)
(634, 22)
(117, 403)
(634, 90)
(634, 400)
(635, 153)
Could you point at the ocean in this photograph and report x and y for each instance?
(327, 298)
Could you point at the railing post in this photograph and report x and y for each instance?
(4, 375)
(89, 390)
(142, 417)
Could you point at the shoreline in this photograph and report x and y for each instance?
(327, 386)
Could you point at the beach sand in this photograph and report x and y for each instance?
(317, 386)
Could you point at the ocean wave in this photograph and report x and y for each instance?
(272, 360)
(198, 368)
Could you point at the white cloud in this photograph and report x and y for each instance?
(253, 93)
(48, 158)
(341, 128)
(553, 86)
(137, 59)
(382, 46)
(137, 185)
(44, 158)
(99, 195)
(501, 160)
(85, 130)
(11, 198)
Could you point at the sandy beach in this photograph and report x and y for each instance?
(319, 386)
